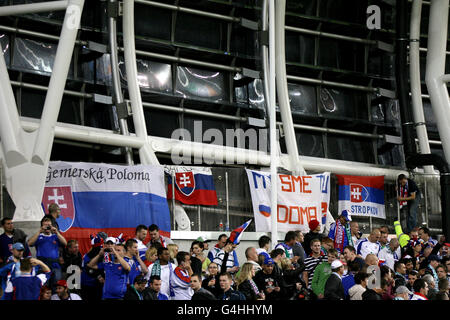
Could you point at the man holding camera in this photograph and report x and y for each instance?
(47, 241)
(116, 271)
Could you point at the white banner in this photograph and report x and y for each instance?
(300, 200)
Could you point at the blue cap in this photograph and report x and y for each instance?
(346, 215)
(18, 246)
(268, 260)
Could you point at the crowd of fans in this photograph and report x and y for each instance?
(333, 266)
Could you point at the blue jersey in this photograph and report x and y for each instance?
(47, 246)
(135, 269)
(86, 279)
(6, 243)
(162, 296)
(28, 287)
(9, 273)
(116, 279)
(348, 281)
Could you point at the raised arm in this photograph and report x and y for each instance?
(61, 239)
(121, 260)
(93, 263)
(37, 262)
(144, 268)
(33, 239)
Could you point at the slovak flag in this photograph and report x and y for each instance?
(362, 195)
(236, 234)
(194, 185)
(106, 198)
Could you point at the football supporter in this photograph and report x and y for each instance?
(227, 291)
(28, 286)
(10, 236)
(181, 277)
(314, 233)
(62, 292)
(163, 268)
(225, 258)
(370, 244)
(153, 291)
(133, 258)
(268, 282)
(135, 291)
(312, 262)
(139, 236)
(156, 238)
(116, 271)
(47, 241)
(199, 292)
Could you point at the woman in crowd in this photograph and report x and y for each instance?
(246, 285)
(211, 281)
(198, 251)
(150, 256)
(173, 251)
(199, 261)
(291, 277)
(46, 293)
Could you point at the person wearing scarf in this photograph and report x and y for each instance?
(156, 270)
(408, 196)
(340, 232)
(433, 263)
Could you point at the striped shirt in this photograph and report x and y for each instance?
(219, 260)
(310, 265)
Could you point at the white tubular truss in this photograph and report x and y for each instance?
(146, 153)
(435, 77)
(25, 155)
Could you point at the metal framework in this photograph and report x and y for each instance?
(435, 76)
(25, 155)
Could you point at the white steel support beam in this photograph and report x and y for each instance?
(33, 8)
(52, 104)
(209, 152)
(416, 90)
(25, 155)
(435, 71)
(146, 152)
(282, 89)
(274, 159)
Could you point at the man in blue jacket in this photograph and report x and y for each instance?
(340, 232)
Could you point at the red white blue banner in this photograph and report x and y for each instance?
(362, 195)
(300, 200)
(110, 198)
(193, 185)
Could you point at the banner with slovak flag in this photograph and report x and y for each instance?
(362, 195)
(300, 200)
(193, 185)
(109, 198)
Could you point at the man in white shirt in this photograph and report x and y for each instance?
(370, 244)
(181, 278)
(164, 269)
(140, 235)
(354, 230)
(391, 253)
(252, 257)
(62, 292)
